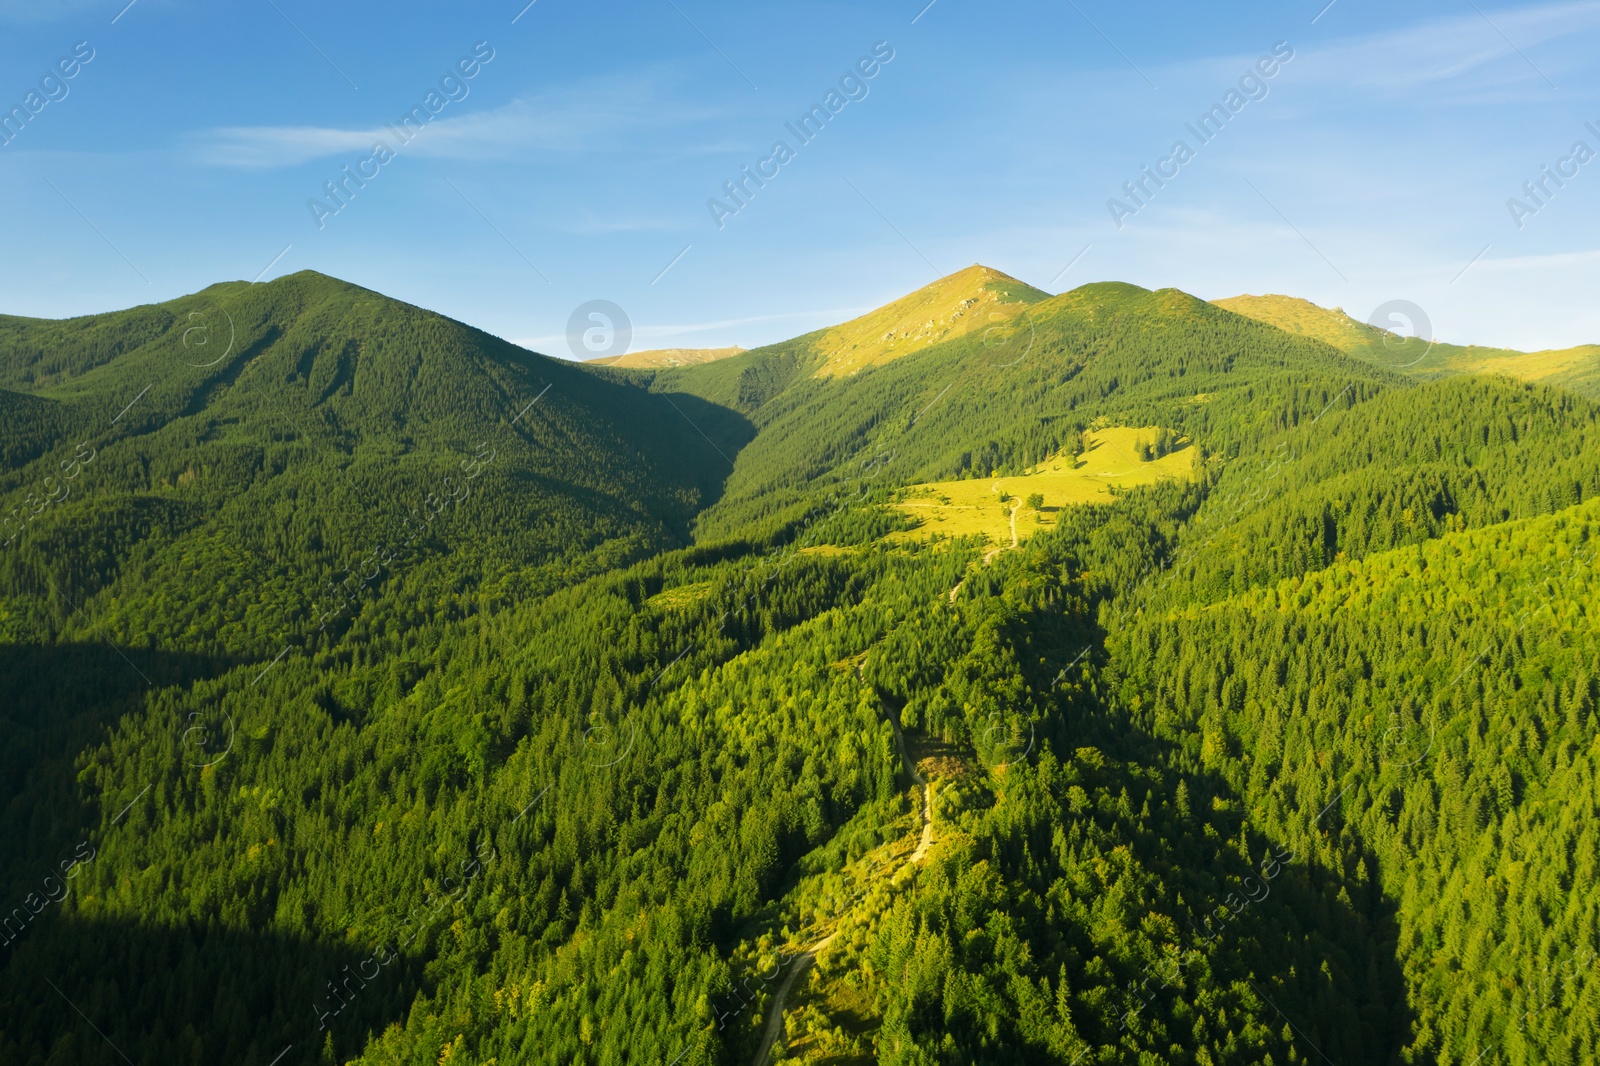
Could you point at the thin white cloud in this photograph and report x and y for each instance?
(265, 147)
(1459, 52)
(598, 117)
(1458, 60)
(1552, 261)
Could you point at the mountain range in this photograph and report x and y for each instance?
(980, 297)
(1110, 676)
(1423, 356)
(667, 357)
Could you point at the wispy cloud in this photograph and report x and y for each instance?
(1459, 52)
(265, 147)
(1552, 261)
(599, 117)
(1460, 59)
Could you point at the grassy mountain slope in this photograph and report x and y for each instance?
(1576, 368)
(1305, 318)
(975, 299)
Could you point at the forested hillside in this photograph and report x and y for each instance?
(379, 692)
(289, 447)
(1000, 400)
(1446, 693)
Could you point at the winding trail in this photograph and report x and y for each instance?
(773, 1028)
(893, 714)
(989, 555)
(927, 790)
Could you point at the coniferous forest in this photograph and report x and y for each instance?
(378, 691)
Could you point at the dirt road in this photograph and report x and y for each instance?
(802, 963)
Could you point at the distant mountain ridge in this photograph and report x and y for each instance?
(980, 299)
(667, 357)
(1576, 368)
(964, 399)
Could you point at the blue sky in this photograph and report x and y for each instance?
(577, 163)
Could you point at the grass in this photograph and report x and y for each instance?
(829, 550)
(974, 508)
(1582, 361)
(1305, 318)
(681, 597)
(968, 300)
(1573, 368)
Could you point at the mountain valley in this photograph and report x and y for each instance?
(1110, 676)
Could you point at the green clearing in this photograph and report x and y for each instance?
(982, 507)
